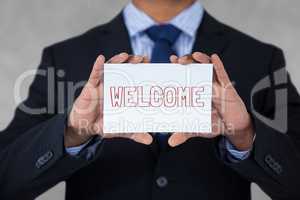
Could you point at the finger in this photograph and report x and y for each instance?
(185, 60)
(97, 71)
(220, 71)
(143, 138)
(174, 59)
(135, 59)
(146, 59)
(177, 139)
(101, 94)
(120, 58)
(200, 57)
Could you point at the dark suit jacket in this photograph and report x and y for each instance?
(33, 156)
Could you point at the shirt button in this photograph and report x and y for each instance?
(162, 181)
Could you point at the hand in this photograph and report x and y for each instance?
(229, 113)
(86, 117)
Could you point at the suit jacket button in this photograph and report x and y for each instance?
(275, 166)
(162, 181)
(269, 159)
(44, 159)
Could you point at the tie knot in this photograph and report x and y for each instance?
(166, 32)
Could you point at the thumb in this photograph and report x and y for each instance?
(97, 72)
(143, 138)
(177, 139)
(221, 73)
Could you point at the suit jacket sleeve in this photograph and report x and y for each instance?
(275, 160)
(32, 152)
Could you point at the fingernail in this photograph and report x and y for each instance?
(137, 59)
(214, 55)
(181, 60)
(123, 55)
(197, 53)
(101, 57)
(171, 142)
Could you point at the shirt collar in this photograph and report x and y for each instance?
(182, 21)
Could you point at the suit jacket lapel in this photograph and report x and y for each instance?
(115, 38)
(211, 37)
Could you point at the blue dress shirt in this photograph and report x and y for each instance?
(137, 22)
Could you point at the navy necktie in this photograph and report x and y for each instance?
(164, 37)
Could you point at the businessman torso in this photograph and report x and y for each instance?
(193, 170)
(196, 169)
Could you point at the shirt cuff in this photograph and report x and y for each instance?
(74, 151)
(234, 154)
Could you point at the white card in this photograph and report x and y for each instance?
(157, 98)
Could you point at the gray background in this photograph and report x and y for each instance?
(28, 26)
